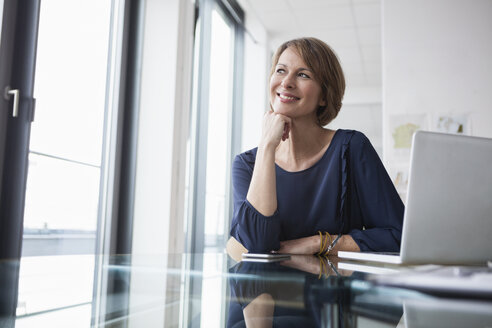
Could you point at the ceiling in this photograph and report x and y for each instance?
(351, 27)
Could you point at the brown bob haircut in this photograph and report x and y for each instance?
(323, 61)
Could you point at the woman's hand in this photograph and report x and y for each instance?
(276, 128)
(306, 245)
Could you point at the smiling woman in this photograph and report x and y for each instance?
(318, 63)
(294, 91)
(306, 189)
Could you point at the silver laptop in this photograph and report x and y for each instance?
(448, 213)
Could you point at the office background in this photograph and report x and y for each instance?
(141, 106)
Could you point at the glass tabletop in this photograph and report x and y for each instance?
(213, 290)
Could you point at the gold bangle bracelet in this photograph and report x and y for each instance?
(321, 244)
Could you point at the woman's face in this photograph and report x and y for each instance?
(293, 90)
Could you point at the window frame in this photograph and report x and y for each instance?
(199, 131)
(195, 234)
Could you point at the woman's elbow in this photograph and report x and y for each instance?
(235, 249)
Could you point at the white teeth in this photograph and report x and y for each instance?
(286, 97)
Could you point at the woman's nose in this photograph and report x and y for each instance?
(288, 82)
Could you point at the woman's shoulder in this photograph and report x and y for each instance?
(356, 145)
(352, 137)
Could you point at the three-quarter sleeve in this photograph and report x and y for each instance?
(380, 207)
(256, 232)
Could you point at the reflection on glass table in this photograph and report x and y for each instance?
(212, 290)
(304, 291)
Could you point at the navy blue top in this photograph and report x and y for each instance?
(348, 190)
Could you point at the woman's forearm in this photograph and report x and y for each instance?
(314, 244)
(262, 192)
(346, 243)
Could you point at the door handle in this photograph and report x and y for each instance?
(13, 92)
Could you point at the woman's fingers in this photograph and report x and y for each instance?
(285, 135)
(286, 127)
(276, 128)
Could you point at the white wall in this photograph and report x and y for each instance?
(437, 60)
(361, 110)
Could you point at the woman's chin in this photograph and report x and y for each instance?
(281, 110)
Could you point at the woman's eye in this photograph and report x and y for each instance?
(304, 75)
(280, 70)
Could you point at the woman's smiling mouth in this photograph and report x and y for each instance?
(284, 97)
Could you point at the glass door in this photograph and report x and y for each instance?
(65, 158)
(17, 61)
